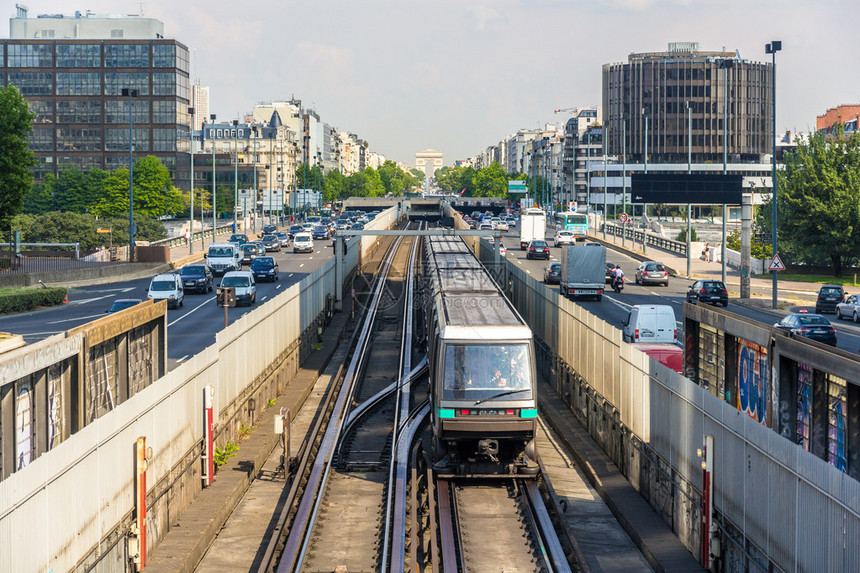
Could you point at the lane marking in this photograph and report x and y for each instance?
(183, 358)
(74, 319)
(279, 286)
(291, 274)
(195, 309)
(301, 265)
(263, 298)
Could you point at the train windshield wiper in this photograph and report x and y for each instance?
(500, 394)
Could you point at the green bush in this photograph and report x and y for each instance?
(682, 236)
(18, 299)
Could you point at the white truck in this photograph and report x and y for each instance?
(532, 227)
(224, 257)
(583, 270)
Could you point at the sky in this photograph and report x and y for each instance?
(459, 75)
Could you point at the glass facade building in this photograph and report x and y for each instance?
(74, 87)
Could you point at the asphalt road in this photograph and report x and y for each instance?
(189, 328)
(848, 333)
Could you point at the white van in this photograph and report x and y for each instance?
(650, 323)
(245, 285)
(303, 243)
(167, 287)
(224, 257)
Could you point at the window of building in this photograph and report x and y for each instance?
(126, 55)
(164, 84)
(164, 139)
(164, 112)
(117, 139)
(33, 83)
(79, 111)
(116, 112)
(164, 56)
(79, 139)
(42, 139)
(79, 83)
(116, 81)
(44, 110)
(79, 56)
(82, 162)
(30, 56)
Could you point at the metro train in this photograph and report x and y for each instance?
(483, 382)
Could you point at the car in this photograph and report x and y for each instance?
(512, 222)
(363, 220)
(320, 232)
(653, 323)
(283, 237)
(552, 274)
(250, 251)
(850, 308)
(807, 325)
(122, 304)
(265, 268)
(238, 238)
(314, 220)
(708, 291)
(197, 278)
(652, 272)
(502, 225)
(502, 250)
(564, 238)
(476, 215)
(271, 243)
(829, 297)
(307, 227)
(269, 229)
(295, 230)
(538, 249)
(609, 268)
(357, 227)
(344, 225)
(245, 285)
(303, 243)
(167, 287)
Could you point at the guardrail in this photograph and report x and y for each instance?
(196, 236)
(637, 236)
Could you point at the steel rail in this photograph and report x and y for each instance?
(446, 526)
(551, 548)
(400, 411)
(296, 546)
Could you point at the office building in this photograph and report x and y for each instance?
(72, 71)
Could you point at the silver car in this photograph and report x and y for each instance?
(850, 308)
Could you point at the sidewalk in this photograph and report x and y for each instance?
(790, 292)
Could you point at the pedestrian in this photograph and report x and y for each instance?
(706, 253)
(233, 226)
(187, 236)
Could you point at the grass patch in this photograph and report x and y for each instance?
(20, 299)
(813, 279)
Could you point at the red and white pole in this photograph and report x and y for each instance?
(140, 500)
(208, 440)
(707, 500)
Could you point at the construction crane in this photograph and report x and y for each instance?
(573, 110)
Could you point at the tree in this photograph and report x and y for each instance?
(71, 193)
(40, 199)
(334, 186)
(491, 181)
(57, 227)
(16, 159)
(819, 200)
(154, 193)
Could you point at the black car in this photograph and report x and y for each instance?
(269, 229)
(265, 268)
(320, 232)
(812, 326)
(271, 243)
(250, 251)
(828, 297)
(552, 274)
(238, 238)
(122, 304)
(196, 278)
(538, 250)
(294, 230)
(708, 291)
(357, 227)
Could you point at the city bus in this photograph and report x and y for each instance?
(570, 221)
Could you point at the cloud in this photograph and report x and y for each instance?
(479, 16)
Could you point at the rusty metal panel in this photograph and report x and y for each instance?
(141, 347)
(121, 322)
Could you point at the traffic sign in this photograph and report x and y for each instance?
(102, 230)
(763, 237)
(776, 264)
(623, 217)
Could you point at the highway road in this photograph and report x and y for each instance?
(189, 328)
(614, 307)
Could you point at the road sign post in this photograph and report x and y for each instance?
(226, 297)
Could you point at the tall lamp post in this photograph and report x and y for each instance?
(212, 132)
(725, 64)
(235, 172)
(254, 131)
(132, 230)
(772, 48)
(191, 215)
(624, 180)
(689, 171)
(605, 136)
(645, 170)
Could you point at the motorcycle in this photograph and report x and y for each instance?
(618, 284)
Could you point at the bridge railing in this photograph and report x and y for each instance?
(637, 235)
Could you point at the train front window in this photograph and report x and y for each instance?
(476, 372)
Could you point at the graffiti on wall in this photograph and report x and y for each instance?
(753, 381)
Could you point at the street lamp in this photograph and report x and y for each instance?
(605, 137)
(235, 171)
(191, 215)
(689, 171)
(725, 64)
(645, 205)
(132, 230)
(772, 48)
(624, 181)
(254, 130)
(212, 132)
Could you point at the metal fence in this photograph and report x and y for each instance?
(780, 508)
(637, 236)
(45, 257)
